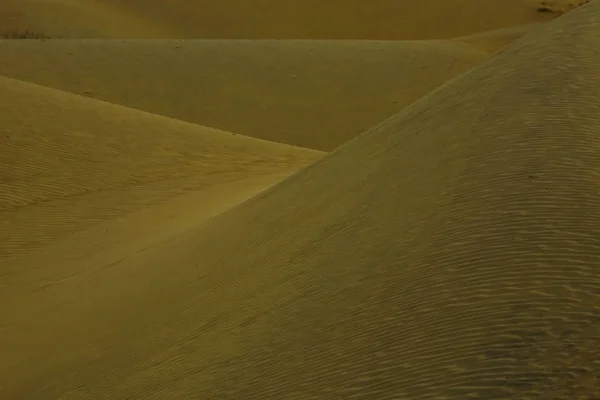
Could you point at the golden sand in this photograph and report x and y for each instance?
(155, 246)
(315, 94)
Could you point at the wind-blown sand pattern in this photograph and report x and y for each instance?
(267, 19)
(333, 90)
(70, 163)
(451, 251)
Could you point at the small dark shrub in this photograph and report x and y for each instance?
(16, 34)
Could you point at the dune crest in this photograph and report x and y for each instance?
(74, 19)
(449, 252)
(71, 165)
(314, 94)
(267, 19)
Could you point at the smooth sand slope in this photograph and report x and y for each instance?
(83, 176)
(496, 40)
(267, 19)
(450, 252)
(347, 19)
(73, 19)
(314, 94)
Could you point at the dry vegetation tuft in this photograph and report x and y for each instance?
(560, 9)
(16, 34)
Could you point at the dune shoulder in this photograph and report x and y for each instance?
(456, 238)
(312, 94)
(75, 167)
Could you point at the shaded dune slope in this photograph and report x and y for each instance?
(493, 41)
(314, 94)
(460, 257)
(267, 19)
(74, 19)
(71, 163)
(348, 19)
(449, 252)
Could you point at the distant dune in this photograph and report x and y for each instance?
(451, 251)
(171, 227)
(496, 40)
(314, 94)
(74, 19)
(71, 163)
(267, 19)
(347, 19)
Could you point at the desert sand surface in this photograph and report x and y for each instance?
(309, 93)
(267, 19)
(496, 40)
(70, 163)
(176, 222)
(73, 19)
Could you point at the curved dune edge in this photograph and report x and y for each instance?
(265, 19)
(450, 252)
(73, 164)
(75, 19)
(347, 19)
(494, 41)
(497, 39)
(313, 94)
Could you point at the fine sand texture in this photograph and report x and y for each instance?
(268, 19)
(451, 251)
(496, 40)
(314, 94)
(70, 163)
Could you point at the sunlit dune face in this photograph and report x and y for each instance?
(299, 199)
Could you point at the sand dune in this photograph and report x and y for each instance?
(496, 40)
(73, 19)
(347, 19)
(452, 251)
(76, 168)
(267, 19)
(314, 94)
